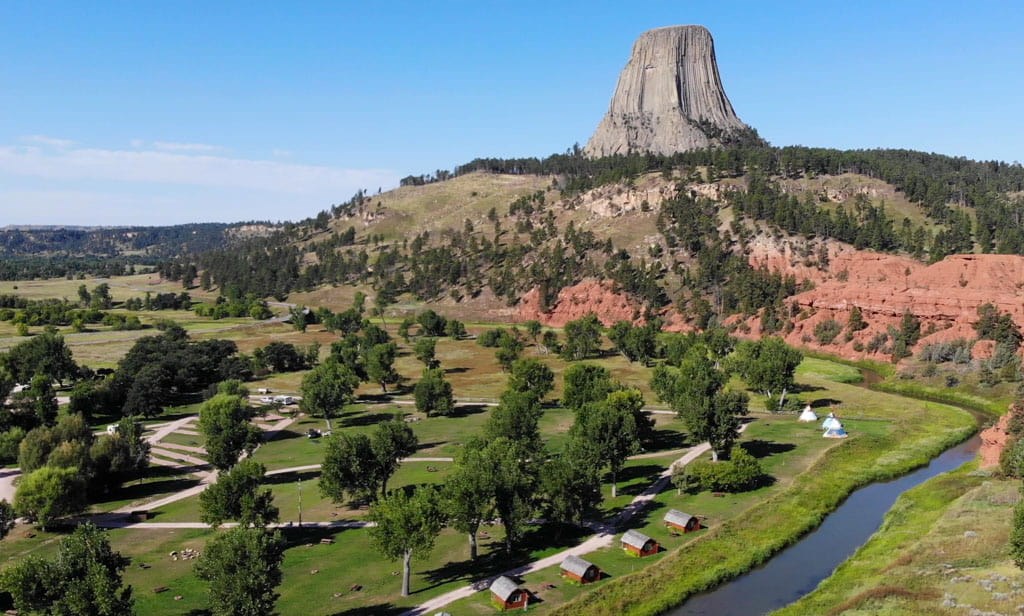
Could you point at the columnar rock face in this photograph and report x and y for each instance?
(669, 97)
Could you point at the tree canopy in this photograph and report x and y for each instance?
(83, 578)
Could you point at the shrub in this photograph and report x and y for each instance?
(826, 331)
(493, 338)
(958, 351)
(740, 473)
(877, 343)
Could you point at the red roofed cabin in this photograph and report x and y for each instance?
(582, 571)
(507, 595)
(639, 544)
(680, 522)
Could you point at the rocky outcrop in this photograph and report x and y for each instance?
(599, 297)
(995, 438)
(944, 296)
(669, 97)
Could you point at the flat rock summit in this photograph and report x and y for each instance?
(669, 97)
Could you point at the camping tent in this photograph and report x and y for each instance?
(808, 414)
(837, 432)
(831, 422)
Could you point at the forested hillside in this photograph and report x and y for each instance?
(667, 229)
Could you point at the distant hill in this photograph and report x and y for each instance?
(55, 250)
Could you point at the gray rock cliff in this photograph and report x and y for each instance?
(669, 97)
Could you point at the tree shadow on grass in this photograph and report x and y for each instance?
(286, 434)
(648, 472)
(424, 446)
(140, 491)
(803, 388)
(641, 514)
(298, 536)
(282, 478)
(760, 448)
(465, 410)
(380, 398)
(456, 370)
(367, 419)
(667, 439)
(381, 609)
(823, 402)
(494, 559)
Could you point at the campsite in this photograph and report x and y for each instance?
(792, 453)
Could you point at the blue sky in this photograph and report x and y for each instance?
(169, 112)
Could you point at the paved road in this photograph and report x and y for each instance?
(7, 477)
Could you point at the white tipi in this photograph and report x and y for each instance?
(831, 422)
(835, 433)
(833, 427)
(808, 414)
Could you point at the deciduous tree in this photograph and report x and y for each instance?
(327, 389)
(768, 365)
(406, 524)
(530, 375)
(469, 492)
(49, 493)
(585, 383)
(243, 567)
(433, 394)
(224, 423)
(237, 496)
(84, 578)
(390, 442)
(582, 337)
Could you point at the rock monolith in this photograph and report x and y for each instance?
(669, 97)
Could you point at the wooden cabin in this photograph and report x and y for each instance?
(507, 595)
(680, 522)
(582, 571)
(639, 544)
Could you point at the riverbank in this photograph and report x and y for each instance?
(916, 432)
(942, 549)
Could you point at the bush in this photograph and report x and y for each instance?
(958, 351)
(826, 331)
(1011, 460)
(740, 473)
(493, 338)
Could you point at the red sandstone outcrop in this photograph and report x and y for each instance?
(599, 297)
(944, 296)
(994, 440)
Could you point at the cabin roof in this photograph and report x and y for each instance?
(504, 587)
(575, 564)
(635, 539)
(678, 517)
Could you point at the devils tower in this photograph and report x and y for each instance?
(669, 97)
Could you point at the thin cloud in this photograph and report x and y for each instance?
(173, 146)
(46, 184)
(51, 142)
(179, 168)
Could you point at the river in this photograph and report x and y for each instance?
(797, 570)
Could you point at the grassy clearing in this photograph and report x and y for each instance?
(401, 211)
(121, 287)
